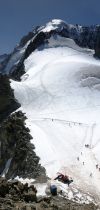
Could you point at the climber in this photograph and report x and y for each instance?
(87, 145)
(64, 178)
(96, 165)
(91, 174)
(78, 158)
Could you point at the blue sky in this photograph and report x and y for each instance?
(17, 17)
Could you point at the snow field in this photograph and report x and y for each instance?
(60, 95)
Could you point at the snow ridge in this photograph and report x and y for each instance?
(54, 24)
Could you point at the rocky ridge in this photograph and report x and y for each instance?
(17, 154)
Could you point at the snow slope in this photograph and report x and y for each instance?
(60, 95)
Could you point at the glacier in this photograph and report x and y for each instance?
(60, 94)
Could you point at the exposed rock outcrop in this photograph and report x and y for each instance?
(17, 154)
(8, 103)
(97, 45)
(12, 193)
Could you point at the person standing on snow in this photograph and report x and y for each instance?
(91, 174)
(78, 158)
(96, 165)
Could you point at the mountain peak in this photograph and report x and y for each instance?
(59, 25)
(57, 21)
(54, 24)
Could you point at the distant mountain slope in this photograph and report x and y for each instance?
(84, 36)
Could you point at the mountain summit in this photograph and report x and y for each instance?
(82, 35)
(54, 24)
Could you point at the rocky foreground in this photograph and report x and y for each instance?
(17, 196)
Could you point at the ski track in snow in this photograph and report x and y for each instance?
(62, 113)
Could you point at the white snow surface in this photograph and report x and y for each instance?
(58, 24)
(26, 180)
(53, 24)
(60, 94)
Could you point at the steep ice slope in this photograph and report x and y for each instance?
(60, 95)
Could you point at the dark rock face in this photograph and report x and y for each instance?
(17, 155)
(17, 71)
(38, 40)
(7, 101)
(87, 37)
(97, 45)
(28, 37)
(13, 65)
